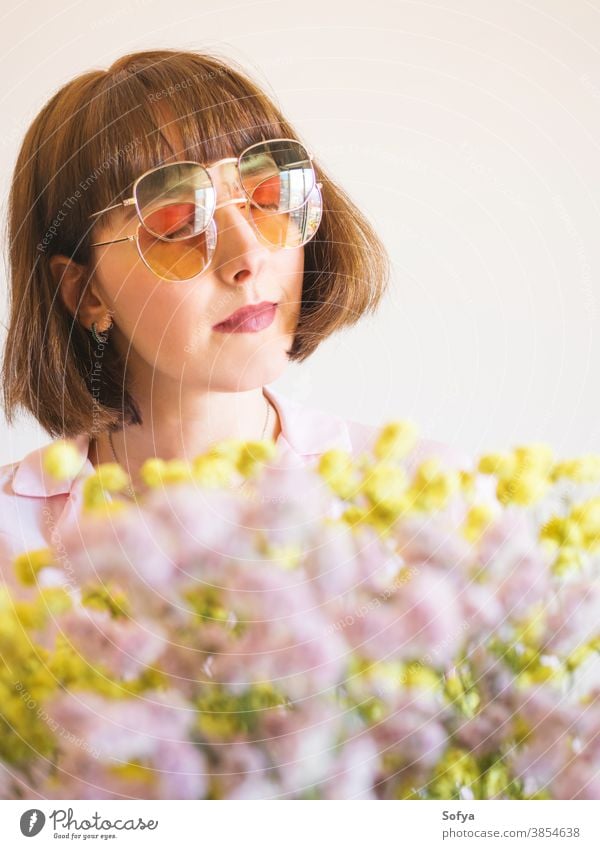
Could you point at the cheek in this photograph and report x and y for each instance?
(175, 319)
(161, 319)
(291, 276)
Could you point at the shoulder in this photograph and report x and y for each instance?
(311, 430)
(13, 512)
(7, 474)
(363, 436)
(25, 492)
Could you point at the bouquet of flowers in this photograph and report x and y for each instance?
(376, 626)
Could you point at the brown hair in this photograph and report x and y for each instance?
(82, 153)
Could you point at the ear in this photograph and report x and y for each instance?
(77, 291)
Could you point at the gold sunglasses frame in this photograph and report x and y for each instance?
(132, 201)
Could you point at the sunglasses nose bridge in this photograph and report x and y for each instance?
(226, 181)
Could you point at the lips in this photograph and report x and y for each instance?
(248, 319)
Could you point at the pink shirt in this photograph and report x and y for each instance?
(33, 505)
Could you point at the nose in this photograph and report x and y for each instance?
(239, 255)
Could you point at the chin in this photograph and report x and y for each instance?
(262, 370)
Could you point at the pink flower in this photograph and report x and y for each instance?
(302, 744)
(554, 757)
(574, 616)
(284, 638)
(243, 771)
(123, 646)
(197, 520)
(422, 619)
(289, 504)
(409, 738)
(355, 771)
(513, 562)
(100, 737)
(127, 549)
(432, 540)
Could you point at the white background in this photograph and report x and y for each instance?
(468, 131)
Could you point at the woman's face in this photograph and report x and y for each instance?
(167, 329)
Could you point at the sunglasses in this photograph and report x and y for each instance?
(176, 236)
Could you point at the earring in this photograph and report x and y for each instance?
(100, 338)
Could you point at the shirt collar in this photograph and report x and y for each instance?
(308, 430)
(305, 431)
(30, 477)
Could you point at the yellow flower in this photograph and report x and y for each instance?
(28, 564)
(536, 457)
(420, 675)
(213, 471)
(253, 454)
(354, 515)
(335, 466)
(477, 521)
(530, 631)
(541, 669)
(455, 770)
(523, 488)
(585, 469)
(287, 556)
(528, 479)
(227, 449)
(62, 459)
(562, 530)
(55, 600)
(109, 477)
(460, 690)
(134, 771)
(25, 684)
(502, 465)
(93, 494)
(395, 440)
(587, 518)
(103, 597)
(178, 471)
(225, 715)
(552, 530)
(580, 655)
(495, 780)
(71, 669)
(152, 471)
(432, 487)
(385, 485)
(567, 560)
(156, 472)
(206, 603)
(371, 709)
(466, 483)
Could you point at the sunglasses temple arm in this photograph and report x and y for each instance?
(126, 202)
(113, 241)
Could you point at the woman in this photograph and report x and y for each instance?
(173, 244)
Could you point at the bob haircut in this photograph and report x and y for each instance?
(82, 153)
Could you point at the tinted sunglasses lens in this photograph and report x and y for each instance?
(290, 229)
(179, 259)
(277, 175)
(175, 201)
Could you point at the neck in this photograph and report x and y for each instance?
(184, 426)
